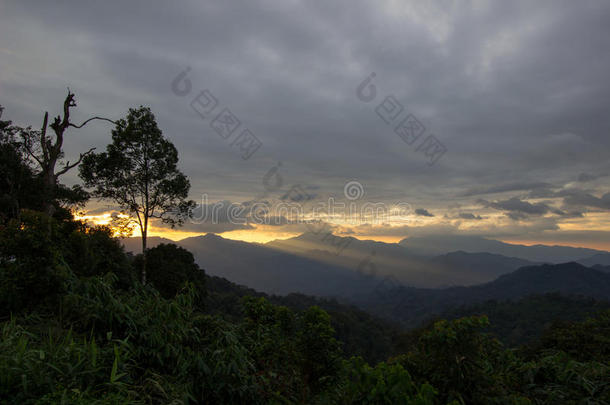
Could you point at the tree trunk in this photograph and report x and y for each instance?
(144, 256)
(49, 184)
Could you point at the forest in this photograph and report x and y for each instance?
(83, 322)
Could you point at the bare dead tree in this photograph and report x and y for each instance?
(47, 151)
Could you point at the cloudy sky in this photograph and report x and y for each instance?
(516, 95)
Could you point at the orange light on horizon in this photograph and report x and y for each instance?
(264, 234)
(109, 219)
(550, 242)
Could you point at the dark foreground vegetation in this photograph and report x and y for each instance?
(78, 326)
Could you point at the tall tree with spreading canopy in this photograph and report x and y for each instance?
(139, 172)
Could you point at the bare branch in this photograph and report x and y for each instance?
(32, 154)
(43, 136)
(69, 166)
(91, 119)
(28, 147)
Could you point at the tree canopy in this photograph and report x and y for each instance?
(139, 171)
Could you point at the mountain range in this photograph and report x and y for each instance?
(411, 306)
(329, 265)
(388, 280)
(600, 259)
(439, 244)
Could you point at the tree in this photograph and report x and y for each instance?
(170, 267)
(48, 153)
(319, 348)
(32, 271)
(588, 340)
(19, 186)
(139, 172)
(457, 358)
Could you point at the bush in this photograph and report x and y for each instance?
(39, 253)
(32, 269)
(84, 331)
(558, 379)
(583, 341)
(383, 384)
(169, 343)
(458, 359)
(169, 267)
(92, 251)
(59, 367)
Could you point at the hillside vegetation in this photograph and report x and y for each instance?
(79, 329)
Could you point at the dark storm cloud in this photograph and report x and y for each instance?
(218, 217)
(422, 212)
(580, 198)
(517, 91)
(226, 216)
(505, 187)
(574, 199)
(515, 204)
(518, 209)
(586, 177)
(468, 215)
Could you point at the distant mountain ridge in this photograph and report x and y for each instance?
(269, 270)
(487, 265)
(440, 244)
(328, 265)
(305, 265)
(403, 264)
(605, 269)
(602, 259)
(134, 244)
(412, 305)
(339, 266)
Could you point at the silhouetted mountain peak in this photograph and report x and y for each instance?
(211, 236)
(561, 268)
(433, 245)
(412, 305)
(600, 258)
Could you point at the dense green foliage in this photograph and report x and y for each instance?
(360, 333)
(20, 187)
(584, 341)
(74, 332)
(169, 267)
(525, 320)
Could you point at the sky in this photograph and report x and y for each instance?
(482, 118)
